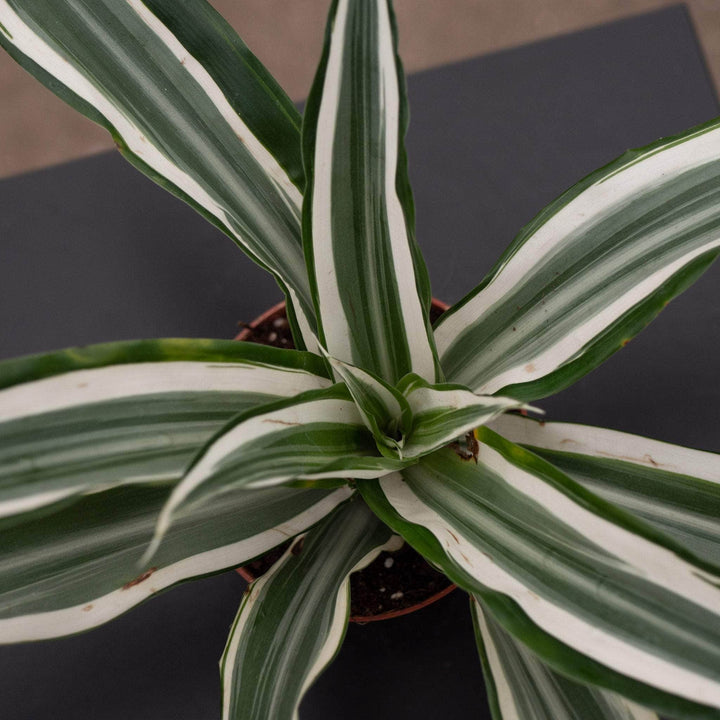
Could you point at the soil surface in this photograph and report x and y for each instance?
(394, 580)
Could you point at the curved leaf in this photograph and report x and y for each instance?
(292, 620)
(522, 687)
(79, 567)
(315, 435)
(590, 271)
(87, 419)
(383, 408)
(370, 284)
(598, 595)
(188, 104)
(444, 412)
(676, 489)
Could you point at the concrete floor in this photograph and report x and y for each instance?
(37, 130)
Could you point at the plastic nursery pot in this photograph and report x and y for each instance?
(268, 328)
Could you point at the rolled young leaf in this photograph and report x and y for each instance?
(416, 417)
(590, 271)
(444, 412)
(79, 567)
(370, 284)
(315, 435)
(88, 419)
(292, 620)
(383, 408)
(676, 489)
(187, 104)
(521, 687)
(596, 593)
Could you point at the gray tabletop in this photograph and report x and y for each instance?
(91, 251)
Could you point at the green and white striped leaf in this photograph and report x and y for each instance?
(292, 620)
(87, 419)
(318, 434)
(590, 271)
(444, 412)
(187, 104)
(370, 284)
(676, 489)
(597, 594)
(79, 567)
(383, 408)
(522, 687)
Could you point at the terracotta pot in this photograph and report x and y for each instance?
(268, 316)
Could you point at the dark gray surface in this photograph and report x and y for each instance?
(92, 251)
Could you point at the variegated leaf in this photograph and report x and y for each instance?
(315, 435)
(370, 283)
(597, 594)
(292, 621)
(383, 408)
(189, 105)
(590, 271)
(676, 489)
(87, 419)
(522, 687)
(444, 412)
(79, 567)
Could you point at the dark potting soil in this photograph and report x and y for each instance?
(394, 580)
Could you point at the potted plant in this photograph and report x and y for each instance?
(590, 555)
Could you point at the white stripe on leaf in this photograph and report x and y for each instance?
(306, 595)
(442, 413)
(264, 158)
(610, 444)
(279, 249)
(135, 380)
(340, 324)
(522, 565)
(94, 611)
(307, 419)
(656, 219)
(676, 489)
(527, 689)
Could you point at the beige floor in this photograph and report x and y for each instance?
(37, 130)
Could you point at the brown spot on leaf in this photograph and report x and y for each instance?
(529, 368)
(645, 459)
(140, 578)
(88, 608)
(280, 422)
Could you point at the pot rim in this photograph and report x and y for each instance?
(243, 335)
